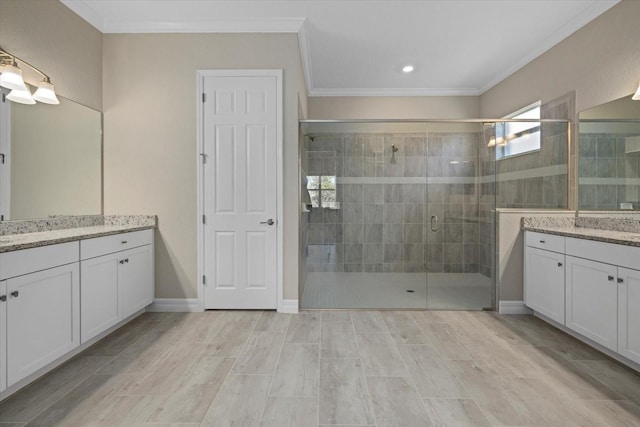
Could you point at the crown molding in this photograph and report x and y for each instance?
(305, 56)
(582, 19)
(285, 25)
(396, 92)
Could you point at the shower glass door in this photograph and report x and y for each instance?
(364, 193)
(460, 207)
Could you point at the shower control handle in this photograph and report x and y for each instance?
(434, 223)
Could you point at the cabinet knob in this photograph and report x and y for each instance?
(543, 241)
(124, 242)
(620, 280)
(121, 261)
(610, 278)
(3, 298)
(559, 264)
(15, 294)
(126, 260)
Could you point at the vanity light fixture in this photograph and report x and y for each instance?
(11, 78)
(21, 96)
(636, 96)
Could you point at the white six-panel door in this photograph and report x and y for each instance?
(240, 116)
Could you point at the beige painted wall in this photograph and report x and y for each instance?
(50, 36)
(394, 107)
(601, 62)
(150, 146)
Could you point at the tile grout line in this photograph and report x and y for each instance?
(235, 360)
(275, 368)
(364, 375)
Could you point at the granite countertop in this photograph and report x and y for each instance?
(618, 231)
(111, 225)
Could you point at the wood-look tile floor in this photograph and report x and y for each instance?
(389, 368)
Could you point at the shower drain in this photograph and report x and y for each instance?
(410, 291)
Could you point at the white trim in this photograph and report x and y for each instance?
(186, 305)
(513, 307)
(262, 25)
(288, 306)
(394, 92)
(305, 55)
(200, 75)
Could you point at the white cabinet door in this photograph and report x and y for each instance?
(629, 313)
(43, 314)
(3, 335)
(592, 300)
(544, 283)
(135, 279)
(100, 306)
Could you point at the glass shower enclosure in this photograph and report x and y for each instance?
(401, 214)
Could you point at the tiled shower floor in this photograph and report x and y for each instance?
(468, 291)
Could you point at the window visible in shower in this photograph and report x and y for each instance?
(322, 190)
(515, 138)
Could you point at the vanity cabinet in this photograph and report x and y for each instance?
(592, 300)
(629, 313)
(544, 275)
(3, 336)
(41, 313)
(599, 292)
(117, 279)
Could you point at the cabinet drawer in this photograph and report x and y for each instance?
(91, 248)
(549, 242)
(25, 261)
(610, 253)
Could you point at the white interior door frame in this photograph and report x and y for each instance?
(200, 75)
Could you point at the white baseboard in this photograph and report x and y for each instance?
(288, 306)
(513, 307)
(176, 305)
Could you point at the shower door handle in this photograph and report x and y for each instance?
(434, 223)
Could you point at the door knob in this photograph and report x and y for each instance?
(620, 280)
(3, 298)
(610, 278)
(15, 294)
(268, 222)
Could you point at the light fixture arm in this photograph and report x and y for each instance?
(8, 58)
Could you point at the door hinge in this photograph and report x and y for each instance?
(204, 219)
(2, 156)
(204, 157)
(204, 97)
(204, 279)
(4, 97)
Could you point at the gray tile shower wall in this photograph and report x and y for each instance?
(382, 221)
(537, 179)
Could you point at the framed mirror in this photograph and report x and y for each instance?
(50, 160)
(609, 157)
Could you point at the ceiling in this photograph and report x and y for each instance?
(353, 47)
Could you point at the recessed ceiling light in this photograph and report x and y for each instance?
(407, 68)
